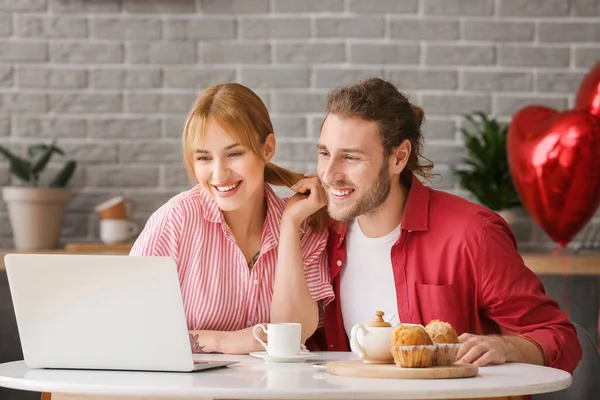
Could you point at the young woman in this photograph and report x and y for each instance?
(244, 255)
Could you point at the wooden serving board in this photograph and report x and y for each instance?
(357, 368)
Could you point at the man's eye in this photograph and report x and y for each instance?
(350, 158)
(323, 153)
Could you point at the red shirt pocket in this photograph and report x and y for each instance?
(443, 302)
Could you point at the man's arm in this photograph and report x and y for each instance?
(513, 297)
(497, 349)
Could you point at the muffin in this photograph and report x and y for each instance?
(412, 347)
(446, 340)
(441, 332)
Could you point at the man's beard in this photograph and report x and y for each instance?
(369, 202)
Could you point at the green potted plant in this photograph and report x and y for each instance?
(485, 173)
(35, 210)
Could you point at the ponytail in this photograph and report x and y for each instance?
(277, 176)
(417, 163)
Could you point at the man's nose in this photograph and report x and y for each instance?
(331, 172)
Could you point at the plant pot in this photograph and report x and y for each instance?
(36, 215)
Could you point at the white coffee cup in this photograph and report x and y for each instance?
(117, 230)
(284, 339)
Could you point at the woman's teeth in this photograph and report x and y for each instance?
(227, 188)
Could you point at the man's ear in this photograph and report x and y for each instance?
(269, 147)
(399, 157)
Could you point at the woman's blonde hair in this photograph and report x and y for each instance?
(242, 114)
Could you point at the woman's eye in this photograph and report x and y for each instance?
(237, 154)
(202, 158)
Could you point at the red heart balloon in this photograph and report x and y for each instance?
(554, 159)
(588, 96)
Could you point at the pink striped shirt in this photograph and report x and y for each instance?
(219, 291)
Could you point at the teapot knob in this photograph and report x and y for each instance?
(379, 322)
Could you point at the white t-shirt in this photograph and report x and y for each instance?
(367, 279)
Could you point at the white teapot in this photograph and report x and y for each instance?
(371, 342)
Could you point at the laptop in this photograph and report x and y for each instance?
(101, 312)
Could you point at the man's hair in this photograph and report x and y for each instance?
(380, 101)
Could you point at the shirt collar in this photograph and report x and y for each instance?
(416, 211)
(210, 209)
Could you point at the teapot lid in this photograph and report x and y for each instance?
(379, 322)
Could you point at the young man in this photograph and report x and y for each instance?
(419, 253)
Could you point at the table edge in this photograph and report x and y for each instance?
(266, 393)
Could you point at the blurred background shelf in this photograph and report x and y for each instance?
(75, 248)
(542, 263)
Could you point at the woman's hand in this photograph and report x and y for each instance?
(310, 197)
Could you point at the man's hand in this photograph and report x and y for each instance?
(482, 350)
(496, 349)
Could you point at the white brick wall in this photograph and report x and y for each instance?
(114, 79)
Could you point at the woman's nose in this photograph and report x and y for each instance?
(221, 171)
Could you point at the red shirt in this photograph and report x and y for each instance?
(458, 262)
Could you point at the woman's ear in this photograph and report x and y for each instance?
(399, 157)
(269, 147)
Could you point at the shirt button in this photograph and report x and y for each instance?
(256, 282)
(339, 263)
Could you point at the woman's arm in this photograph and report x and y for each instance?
(292, 300)
(236, 342)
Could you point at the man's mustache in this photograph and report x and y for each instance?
(339, 184)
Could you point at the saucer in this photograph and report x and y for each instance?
(284, 359)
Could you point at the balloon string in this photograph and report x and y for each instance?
(563, 254)
(565, 282)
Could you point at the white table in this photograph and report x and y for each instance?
(255, 379)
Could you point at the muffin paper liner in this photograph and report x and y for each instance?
(414, 356)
